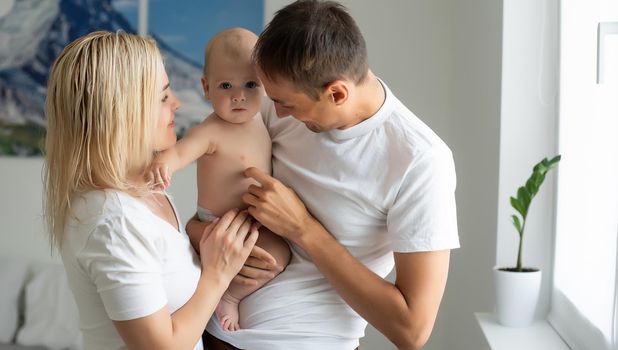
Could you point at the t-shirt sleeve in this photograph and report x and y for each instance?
(423, 216)
(267, 108)
(121, 260)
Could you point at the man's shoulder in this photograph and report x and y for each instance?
(408, 131)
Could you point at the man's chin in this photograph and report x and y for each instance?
(313, 128)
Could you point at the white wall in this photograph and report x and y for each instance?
(21, 221)
(442, 59)
(475, 122)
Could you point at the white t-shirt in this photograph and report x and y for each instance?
(124, 262)
(382, 186)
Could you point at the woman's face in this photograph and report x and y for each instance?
(165, 133)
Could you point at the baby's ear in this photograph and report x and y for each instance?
(205, 87)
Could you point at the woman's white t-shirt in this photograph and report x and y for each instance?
(124, 262)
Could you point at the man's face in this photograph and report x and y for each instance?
(318, 116)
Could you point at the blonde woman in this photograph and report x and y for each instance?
(137, 282)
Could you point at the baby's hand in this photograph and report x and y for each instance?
(160, 175)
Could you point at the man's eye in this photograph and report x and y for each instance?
(225, 86)
(251, 85)
(282, 105)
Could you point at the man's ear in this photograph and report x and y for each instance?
(205, 87)
(337, 91)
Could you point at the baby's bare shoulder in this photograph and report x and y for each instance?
(205, 126)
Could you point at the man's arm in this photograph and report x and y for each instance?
(404, 312)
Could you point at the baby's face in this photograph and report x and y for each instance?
(233, 88)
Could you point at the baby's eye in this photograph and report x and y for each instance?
(225, 85)
(251, 85)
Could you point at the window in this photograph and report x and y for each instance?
(584, 292)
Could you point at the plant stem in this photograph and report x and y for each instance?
(521, 238)
(521, 243)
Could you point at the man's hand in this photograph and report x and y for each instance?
(276, 206)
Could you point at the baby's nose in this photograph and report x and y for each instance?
(238, 97)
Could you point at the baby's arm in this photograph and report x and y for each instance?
(193, 145)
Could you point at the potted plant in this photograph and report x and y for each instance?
(517, 288)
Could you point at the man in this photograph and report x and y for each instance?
(360, 184)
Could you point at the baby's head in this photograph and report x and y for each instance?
(230, 81)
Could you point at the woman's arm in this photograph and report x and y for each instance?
(225, 247)
(404, 312)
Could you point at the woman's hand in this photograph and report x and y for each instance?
(225, 245)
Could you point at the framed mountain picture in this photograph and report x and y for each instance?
(34, 32)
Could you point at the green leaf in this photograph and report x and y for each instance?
(524, 197)
(555, 160)
(537, 178)
(517, 224)
(518, 206)
(541, 179)
(540, 167)
(531, 187)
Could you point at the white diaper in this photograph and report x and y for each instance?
(205, 215)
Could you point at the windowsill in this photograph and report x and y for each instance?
(539, 335)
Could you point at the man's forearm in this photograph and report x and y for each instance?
(379, 302)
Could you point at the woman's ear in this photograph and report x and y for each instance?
(337, 91)
(205, 87)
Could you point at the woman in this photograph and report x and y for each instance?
(136, 280)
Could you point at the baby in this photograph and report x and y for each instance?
(230, 140)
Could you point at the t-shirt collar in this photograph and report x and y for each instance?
(368, 124)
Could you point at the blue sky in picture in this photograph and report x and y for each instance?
(188, 27)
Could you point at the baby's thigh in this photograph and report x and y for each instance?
(275, 245)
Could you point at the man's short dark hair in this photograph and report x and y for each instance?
(312, 43)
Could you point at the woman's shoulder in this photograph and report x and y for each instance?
(110, 209)
(109, 217)
(104, 203)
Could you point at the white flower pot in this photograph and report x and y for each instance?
(517, 295)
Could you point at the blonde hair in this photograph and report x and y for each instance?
(234, 43)
(101, 107)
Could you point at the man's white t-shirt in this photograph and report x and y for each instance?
(382, 186)
(124, 262)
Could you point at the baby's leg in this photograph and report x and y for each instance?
(227, 310)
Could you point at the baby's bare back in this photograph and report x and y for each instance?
(220, 179)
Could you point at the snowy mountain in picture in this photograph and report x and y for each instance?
(32, 35)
